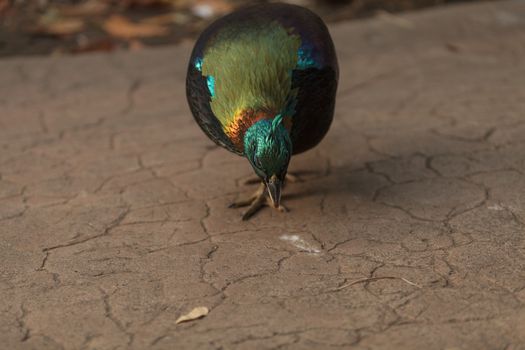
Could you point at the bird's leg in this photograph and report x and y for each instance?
(252, 181)
(290, 177)
(260, 193)
(258, 200)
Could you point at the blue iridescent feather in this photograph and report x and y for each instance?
(305, 58)
(210, 80)
(198, 64)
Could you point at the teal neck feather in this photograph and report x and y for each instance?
(268, 147)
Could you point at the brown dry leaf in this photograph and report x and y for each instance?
(51, 23)
(88, 8)
(4, 6)
(147, 3)
(120, 27)
(194, 314)
(65, 27)
(168, 18)
(60, 26)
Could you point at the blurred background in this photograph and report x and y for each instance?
(55, 27)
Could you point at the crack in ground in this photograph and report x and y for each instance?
(24, 329)
(108, 313)
(106, 231)
(130, 95)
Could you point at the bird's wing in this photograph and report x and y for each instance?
(314, 108)
(199, 98)
(314, 79)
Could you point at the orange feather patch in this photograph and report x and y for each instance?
(243, 120)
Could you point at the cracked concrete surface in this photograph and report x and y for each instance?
(113, 218)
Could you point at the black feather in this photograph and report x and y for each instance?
(315, 106)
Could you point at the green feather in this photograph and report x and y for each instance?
(268, 147)
(251, 68)
(276, 121)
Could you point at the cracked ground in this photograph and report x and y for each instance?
(114, 219)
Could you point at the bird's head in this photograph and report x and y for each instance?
(268, 147)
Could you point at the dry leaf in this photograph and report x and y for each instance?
(51, 23)
(89, 8)
(60, 27)
(146, 3)
(194, 314)
(64, 27)
(120, 27)
(168, 18)
(4, 6)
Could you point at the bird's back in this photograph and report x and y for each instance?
(262, 61)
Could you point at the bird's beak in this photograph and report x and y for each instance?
(274, 190)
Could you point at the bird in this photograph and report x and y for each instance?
(261, 82)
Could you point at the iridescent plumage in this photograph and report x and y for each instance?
(261, 83)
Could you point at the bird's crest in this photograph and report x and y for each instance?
(276, 121)
(275, 124)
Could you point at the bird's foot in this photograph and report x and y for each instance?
(256, 202)
(290, 177)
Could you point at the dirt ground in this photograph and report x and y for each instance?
(73, 26)
(408, 232)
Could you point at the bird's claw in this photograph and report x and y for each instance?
(256, 202)
(251, 181)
